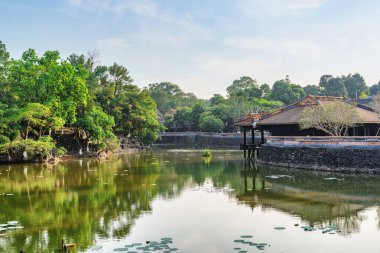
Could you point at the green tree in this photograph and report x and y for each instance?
(312, 90)
(345, 86)
(196, 110)
(217, 99)
(35, 119)
(166, 95)
(244, 86)
(97, 127)
(265, 90)
(211, 123)
(355, 85)
(183, 119)
(374, 89)
(287, 92)
(45, 80)
(333, 86)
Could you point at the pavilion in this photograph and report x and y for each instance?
(286, 121)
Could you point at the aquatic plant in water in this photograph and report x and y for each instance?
(259, 246)
(207, 152)
(163, 245)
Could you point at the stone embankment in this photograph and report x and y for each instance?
(355, 154)
(202, 139)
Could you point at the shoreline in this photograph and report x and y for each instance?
(73, 156)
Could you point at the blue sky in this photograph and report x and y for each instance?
(203, 45)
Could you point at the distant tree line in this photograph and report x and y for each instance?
(180, 111)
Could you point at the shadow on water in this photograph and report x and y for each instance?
(86, 200)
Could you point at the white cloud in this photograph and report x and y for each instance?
(141, 7)
(275, 8)
(278, 46)
(112, 43)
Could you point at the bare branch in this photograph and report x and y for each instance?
(334, 119)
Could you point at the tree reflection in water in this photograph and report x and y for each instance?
(83, 200)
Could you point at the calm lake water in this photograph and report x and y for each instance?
(198, 205)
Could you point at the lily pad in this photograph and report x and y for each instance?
(307, 228)
(279, 228)
(121, 249)
(239, 241)
(246, 236)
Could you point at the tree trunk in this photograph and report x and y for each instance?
(27, 131)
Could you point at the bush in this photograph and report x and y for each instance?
(211, 124)
(112, 143)
(40, 149)
(60, 151)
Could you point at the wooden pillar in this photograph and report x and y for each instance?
(245, 142)
(245, 182)
(253, 137)
(262, 136)
(254, 181)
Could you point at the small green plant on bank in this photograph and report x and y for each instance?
(207, 152)
(42, 148)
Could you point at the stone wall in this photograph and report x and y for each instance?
(201, 139)
(323, 157)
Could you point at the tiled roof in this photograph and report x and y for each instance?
(248, 120)
(292, 114)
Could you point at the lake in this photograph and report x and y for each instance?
(178, 201)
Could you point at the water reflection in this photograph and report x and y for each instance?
(301, 195)
(85, 201)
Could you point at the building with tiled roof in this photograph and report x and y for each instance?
(285, 121)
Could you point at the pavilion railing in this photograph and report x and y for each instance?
(325, 140)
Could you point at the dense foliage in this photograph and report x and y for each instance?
(182, 111)
(39, 96)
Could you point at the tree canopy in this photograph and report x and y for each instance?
(39, 95)
(351, 85)
(334, 119)
(287, 92)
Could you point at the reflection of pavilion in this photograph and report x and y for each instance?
(314, 207)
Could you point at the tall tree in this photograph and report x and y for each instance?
(265, 90)
(312, 90)
(287, 92)
(244, 86)
(355, 85)
(374, 89)
(333, 86)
